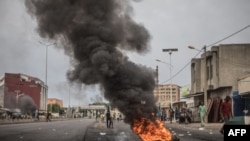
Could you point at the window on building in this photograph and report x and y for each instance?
(194, 70)
(207, 73)
(162, 98)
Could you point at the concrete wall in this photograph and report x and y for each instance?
(196, 84)
(233, 62)
(244, 85)
(224, 64)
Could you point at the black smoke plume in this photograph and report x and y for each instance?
(94, 33)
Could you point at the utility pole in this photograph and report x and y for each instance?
(170, 50)
(157, 84)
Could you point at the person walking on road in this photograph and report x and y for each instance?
(111, 122)
(48, 116)
(226, 112)
(202, 112)
(108, 119)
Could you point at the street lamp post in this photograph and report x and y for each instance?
(46, 63)
(46, 70)
(157, 74)
(205, 76)
(170, 50)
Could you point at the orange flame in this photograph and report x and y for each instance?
(149, 130)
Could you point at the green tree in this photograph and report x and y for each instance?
(55, 108)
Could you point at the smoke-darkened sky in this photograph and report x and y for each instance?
(171, 24)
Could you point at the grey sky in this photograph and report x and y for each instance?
(171, 24)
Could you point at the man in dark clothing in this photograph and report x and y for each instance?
(171, 114)
(108, 119)
(48, 116)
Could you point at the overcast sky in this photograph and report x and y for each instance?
(171, 24)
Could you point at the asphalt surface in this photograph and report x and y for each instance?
(120, 132)
(92, 130)
(193, 131)
(67, 130)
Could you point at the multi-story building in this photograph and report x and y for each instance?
(224, 65)
(55, 101)
(162, 93)
(16, 88)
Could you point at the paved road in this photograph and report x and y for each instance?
(120, 132)
(67, 130)
(91, 130)
(193, 132)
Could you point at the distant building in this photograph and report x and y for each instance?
(15, 87)
(55, 101)
(162, 94)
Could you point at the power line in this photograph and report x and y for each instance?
(229, 36)
(242, 29)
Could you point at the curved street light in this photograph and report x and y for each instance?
(170, 51)
(164, 63)
(47, 45)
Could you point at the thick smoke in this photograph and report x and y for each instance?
(93, 33)
(26, 104)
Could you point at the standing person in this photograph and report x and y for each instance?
(226, 112)
(111, 122)
(171, 114)
(202, 112)
(164, 115)
(108, 118)
(186, 116)
(177, 114)
(159, 113)
(48, 117)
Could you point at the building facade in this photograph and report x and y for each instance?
(55, 101)
(224, 65)
(163, 94)
(17, 88)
